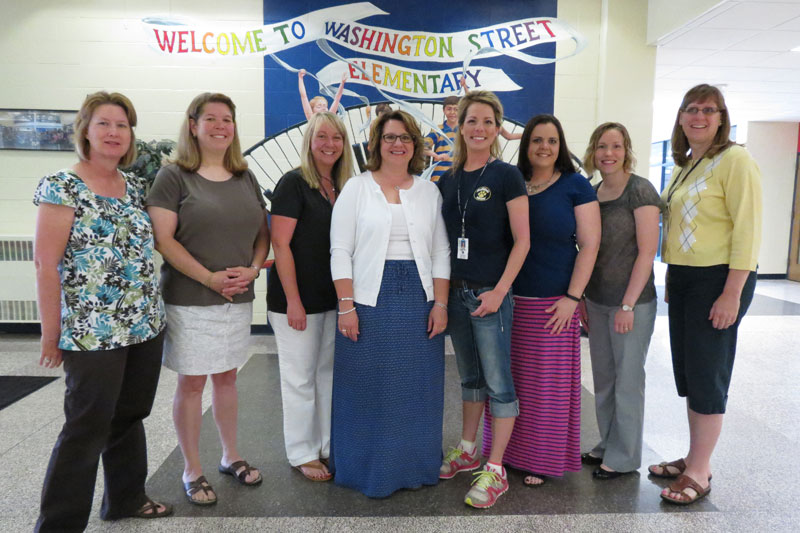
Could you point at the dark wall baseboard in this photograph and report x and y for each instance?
(21, 327)
(771, 276)
(36, 329)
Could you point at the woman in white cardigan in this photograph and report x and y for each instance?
(390, 261)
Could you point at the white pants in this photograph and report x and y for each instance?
(305, 359)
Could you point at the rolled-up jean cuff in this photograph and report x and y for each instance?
(504, 410)
(473, 395)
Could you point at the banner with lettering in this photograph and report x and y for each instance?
(387, 50)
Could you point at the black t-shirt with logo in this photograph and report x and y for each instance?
(310, 245)
(486, 222)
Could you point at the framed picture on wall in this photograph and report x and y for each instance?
(36, 129)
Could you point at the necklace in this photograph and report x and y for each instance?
(533, 188)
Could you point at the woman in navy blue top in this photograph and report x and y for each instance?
(545, 332)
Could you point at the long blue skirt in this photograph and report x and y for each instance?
(388, 392)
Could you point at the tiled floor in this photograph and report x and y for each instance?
(755, 464)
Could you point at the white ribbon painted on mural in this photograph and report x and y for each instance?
(413, 83)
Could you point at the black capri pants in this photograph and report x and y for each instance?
(702, 357)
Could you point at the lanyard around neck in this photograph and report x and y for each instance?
(679, 181)
(464, 210)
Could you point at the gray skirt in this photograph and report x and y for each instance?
(210, 339)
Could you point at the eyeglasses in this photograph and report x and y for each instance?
(706, 110)
(390, 138)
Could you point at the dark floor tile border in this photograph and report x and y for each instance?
(285, 493)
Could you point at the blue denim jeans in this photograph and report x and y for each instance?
(483, 351)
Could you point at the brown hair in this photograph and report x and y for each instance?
(680, 144)
(383, 107)
(563, 162)
(588, 157)
(476, 97)
(342, 169)
(450, 100)
(417, 163)
(187, 153)
(89, 106)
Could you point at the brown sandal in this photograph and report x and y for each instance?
(200, 484)
(150, 510)
(680, 485)
(678, 464)
(241, 476)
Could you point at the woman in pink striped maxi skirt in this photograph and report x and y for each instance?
(545, 332)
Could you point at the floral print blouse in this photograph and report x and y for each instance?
(109, 291)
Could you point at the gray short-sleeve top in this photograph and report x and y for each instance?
(618, 248)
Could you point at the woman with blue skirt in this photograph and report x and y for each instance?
(390, 261)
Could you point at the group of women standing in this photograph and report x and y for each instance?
(97, 228)
(368, 272)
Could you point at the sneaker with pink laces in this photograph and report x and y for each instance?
(457, 460)
(486, 488)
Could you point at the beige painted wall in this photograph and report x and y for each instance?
(774, 147)
(83, 46)
(612, 79)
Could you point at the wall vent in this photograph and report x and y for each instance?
(18, 311)
(16, 250)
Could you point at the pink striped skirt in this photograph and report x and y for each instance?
(547, 376)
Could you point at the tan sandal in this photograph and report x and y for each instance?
(680, 485)
(312, 466)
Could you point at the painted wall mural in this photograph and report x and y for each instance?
(388, 50)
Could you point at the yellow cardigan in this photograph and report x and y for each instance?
(714, 215)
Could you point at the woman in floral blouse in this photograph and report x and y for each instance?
(102, 316)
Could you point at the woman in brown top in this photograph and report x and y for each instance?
(621, 300)
(210, 225)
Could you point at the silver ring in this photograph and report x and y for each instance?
(47, 361)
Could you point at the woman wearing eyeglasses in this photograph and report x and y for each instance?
(390, 261)
(712, 237)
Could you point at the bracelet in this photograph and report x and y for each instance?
(440, 304)
(346, 299)
(257, 269)
(208, 281)
(571, 297)
(345, 312)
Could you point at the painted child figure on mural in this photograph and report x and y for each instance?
(437, 145)
(318, 103)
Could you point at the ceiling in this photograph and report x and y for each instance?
(742, 46)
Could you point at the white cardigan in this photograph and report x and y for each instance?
(360, 229)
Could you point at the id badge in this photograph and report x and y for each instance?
(463, 248)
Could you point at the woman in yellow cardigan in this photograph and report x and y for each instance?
(712, 236)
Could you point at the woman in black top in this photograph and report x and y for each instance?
(301, 299)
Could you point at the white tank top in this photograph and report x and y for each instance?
(399, 243)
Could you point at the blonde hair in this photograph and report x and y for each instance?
(476, 97)
(342, 169)
(187, 153)
(680, 144)
(317, 99)
(588, 157)
(417, 163)
(84, 118)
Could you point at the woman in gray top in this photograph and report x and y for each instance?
(620, 300)
(210, 225)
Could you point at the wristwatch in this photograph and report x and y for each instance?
(627, 307)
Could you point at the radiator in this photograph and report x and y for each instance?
(17, 280)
